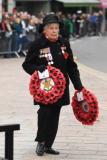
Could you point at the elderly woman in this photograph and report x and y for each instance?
(51, 43)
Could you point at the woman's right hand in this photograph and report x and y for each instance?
(41, 68)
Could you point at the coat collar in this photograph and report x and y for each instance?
(43, 42)
(47, 41)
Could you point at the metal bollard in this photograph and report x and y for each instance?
(9, 139)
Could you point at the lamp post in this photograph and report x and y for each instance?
(104, 6)
(0, 10)
(11, 5)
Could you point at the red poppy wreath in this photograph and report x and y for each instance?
(86, 118)
(48, 90)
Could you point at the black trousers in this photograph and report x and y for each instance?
(48, 119)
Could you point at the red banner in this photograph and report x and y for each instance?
(104, 3)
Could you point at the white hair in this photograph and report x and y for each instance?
(48, 25)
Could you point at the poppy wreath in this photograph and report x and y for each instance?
(48, 96)
(86, 118)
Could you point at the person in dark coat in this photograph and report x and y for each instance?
(48, 115)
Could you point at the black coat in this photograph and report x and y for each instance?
(67, 66)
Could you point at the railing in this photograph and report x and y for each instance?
(9, 139)
(12, 43)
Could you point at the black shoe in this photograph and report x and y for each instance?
(40, 149)
(51, 151)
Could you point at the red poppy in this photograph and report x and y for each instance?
(66, 55)
(56, 91)
(86, 118)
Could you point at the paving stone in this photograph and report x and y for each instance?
(74, 140)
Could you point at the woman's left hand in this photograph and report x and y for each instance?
(84, 105)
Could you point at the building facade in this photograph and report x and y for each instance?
(35, 6)
(74, 5)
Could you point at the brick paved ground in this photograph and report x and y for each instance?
(74, 141)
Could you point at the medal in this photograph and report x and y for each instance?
(45, 52)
